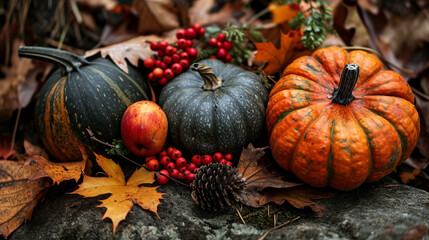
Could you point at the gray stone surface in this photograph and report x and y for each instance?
(373, 211)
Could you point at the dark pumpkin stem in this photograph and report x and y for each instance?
(211, 81)
(67, 60)
(344, 93)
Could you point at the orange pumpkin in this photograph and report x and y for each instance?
(341, 128)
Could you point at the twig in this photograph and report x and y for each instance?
(18, 115)
(256, 16)
(279, 226)
(405, 70)
(92, 137)
(239, 214)
(275, 219)
(420, 94)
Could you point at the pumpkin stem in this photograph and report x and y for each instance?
(344, 93)
(67, 60)
(211, 81)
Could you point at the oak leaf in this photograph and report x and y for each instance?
(265, 183)
(17, 197)
(123, 194)
(132, 50)
(290, 49)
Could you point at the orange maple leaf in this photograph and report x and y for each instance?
(290, 49)
(123, 194)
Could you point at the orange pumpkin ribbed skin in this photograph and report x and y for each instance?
(342, 146)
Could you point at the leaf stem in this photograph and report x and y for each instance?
(92, 137)
(279, 226)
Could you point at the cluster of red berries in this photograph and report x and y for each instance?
(223, 46)
(173, 164)
(173, 59)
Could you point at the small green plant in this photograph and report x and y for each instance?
(118, 144)
(318, 22)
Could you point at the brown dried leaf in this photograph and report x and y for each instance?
(107, 4)
(299, 197)
(5, 145)
(156, 16)
(258, 175)
(58, 172)
(17, 197)
(132, 50)
(232, 11)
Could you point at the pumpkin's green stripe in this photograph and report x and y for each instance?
(113, 86)
(329, 168)
(284, 114)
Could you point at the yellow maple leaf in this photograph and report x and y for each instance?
(123, 194)
(290, 49)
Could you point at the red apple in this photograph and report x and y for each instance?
(144, 128)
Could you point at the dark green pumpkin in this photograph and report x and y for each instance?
(82, 94)
(219, 108)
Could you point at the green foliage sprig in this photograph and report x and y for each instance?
(119, 145)
(316, 24)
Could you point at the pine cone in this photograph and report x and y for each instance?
(216, 186)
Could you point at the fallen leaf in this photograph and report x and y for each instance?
(57, 171)
(416, 232)
(132, 50)
(5, 145)
(31, 149)
(284, 12)
(258, 175)
(156, 16)
(408, 176)
(123, 194)
(299, 197)
(290, 49)
(17, 197)
(208, 12)
(107, 4)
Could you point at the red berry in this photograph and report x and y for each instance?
(182, 43)
(228, 156)
(170, 50)
(148, 158)
(229, 163)
(162, 179)
(162, 153)
(153, 45)
(161, 53)
(180, 177)
(149, 63)
(175, 58)
(162, 81)
(170, 150)
(181, 162)
(219, 44)
(167, 60)
(186, 172)
(158, 63)
(193, 53)
(207, 159)
(153, 165)
(190, 33)
(213, 42)
(151, 77)
(217, 156)
(177, 68)
(227, 58)
(222, 161)
(196, 159)
(212, 57)
(192, 167)
(180, 33)
(171, 166)
(164, 160)
(174, 173)
(184, 63)
(221, 37)
(163, 65)
(190, 177)
(221, 53)
(175, 154)
(158, 73)
(227, 45)
(189, 43)
(168, 73)
(202, 32)
(196, 27)
(184, 55)
(183, 169)
(162, 45)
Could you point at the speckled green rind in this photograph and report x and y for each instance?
(223, 120)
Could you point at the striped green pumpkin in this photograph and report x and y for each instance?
(82, 94)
